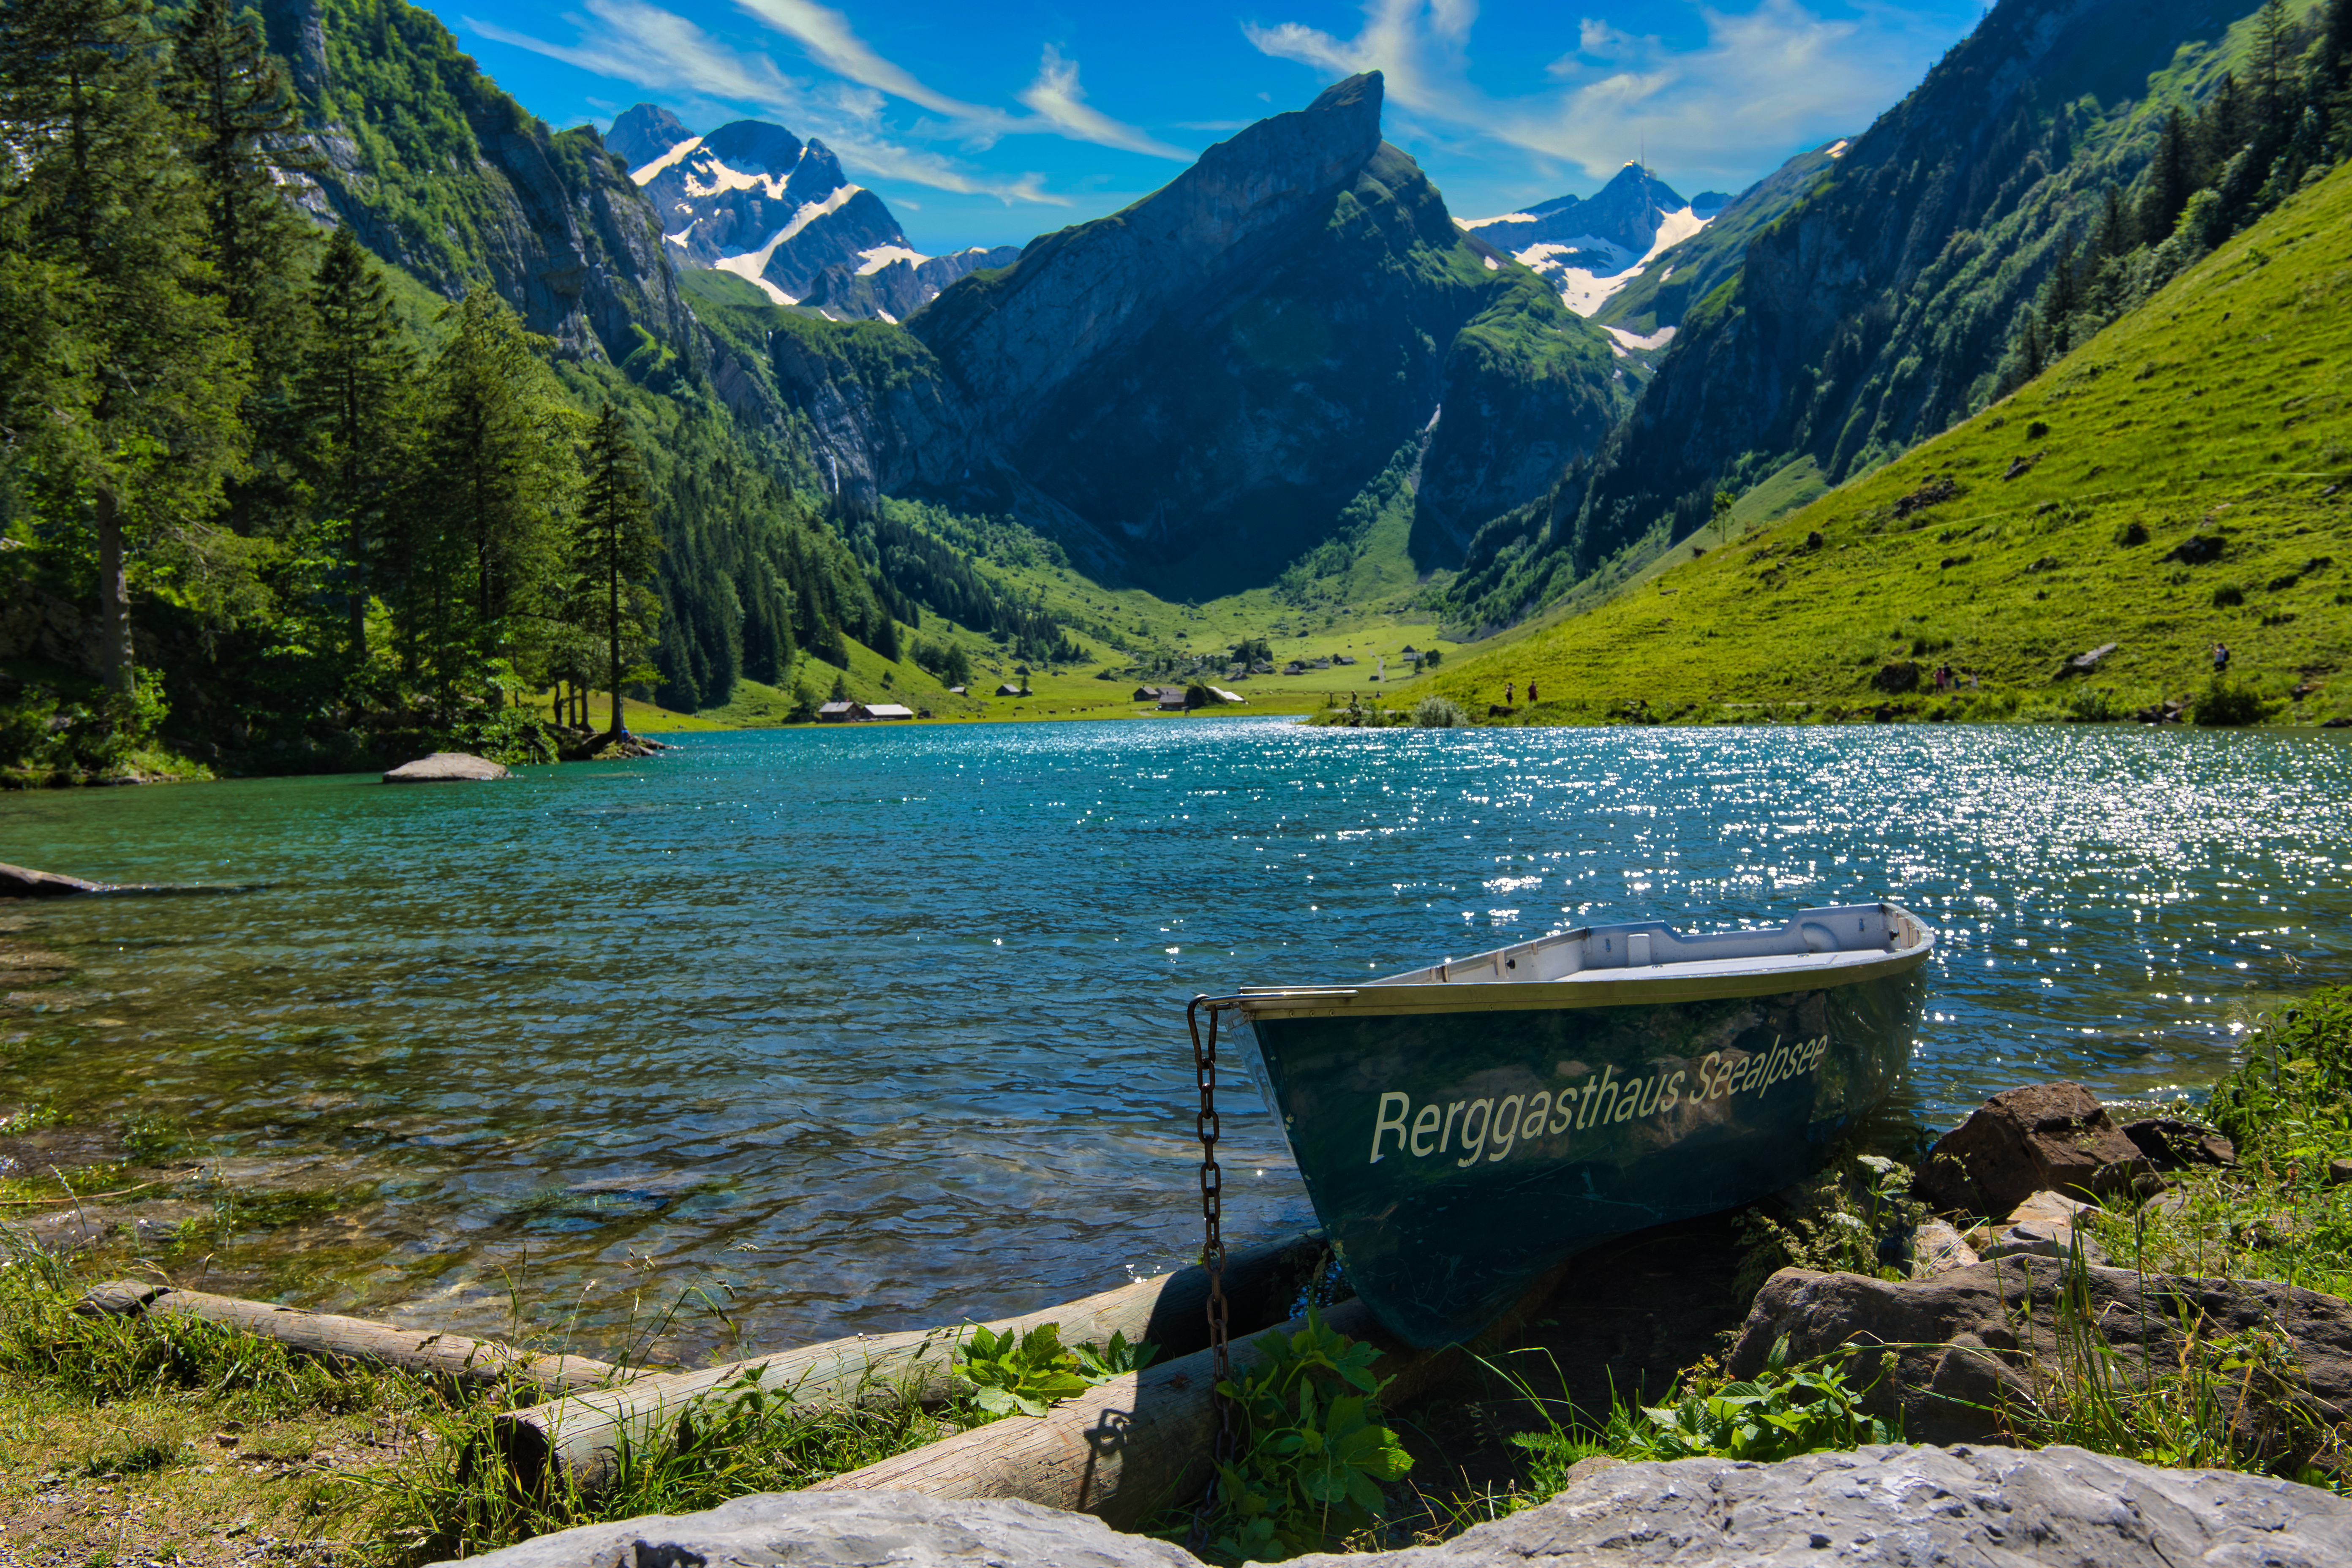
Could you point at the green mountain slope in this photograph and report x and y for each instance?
(1679, 277)
(1892, 300)
(2184, 479)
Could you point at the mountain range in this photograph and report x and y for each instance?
(1588, 248)
(753, 199)
(1290, 358)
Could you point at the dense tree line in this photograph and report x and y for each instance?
(2215, 169)
(212, 414)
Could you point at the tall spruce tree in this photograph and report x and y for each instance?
(493, 499)
(2168, 181)
(2276, 98)
(616, 547)
(241, 120)
(101, 199)
(354, 396)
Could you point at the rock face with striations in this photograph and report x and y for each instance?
(1190, 393)
(463, 186)
(1892, 1505)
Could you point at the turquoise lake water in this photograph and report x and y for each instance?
(870, 1028)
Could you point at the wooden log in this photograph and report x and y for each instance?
(1141, 1443)
(330, 1337)
(576, 1441)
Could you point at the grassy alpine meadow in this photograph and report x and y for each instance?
(2182, 479)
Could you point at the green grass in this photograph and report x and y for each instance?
(2218, 409)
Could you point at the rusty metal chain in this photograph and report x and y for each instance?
(1212, 1249)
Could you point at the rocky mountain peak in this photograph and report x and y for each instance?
(1083, 290)
(643, 134)
(754, 145)
(1591, 247)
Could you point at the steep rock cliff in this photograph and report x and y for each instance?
(1198, 383)
(439, 171)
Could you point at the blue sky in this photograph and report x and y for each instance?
(988, 124)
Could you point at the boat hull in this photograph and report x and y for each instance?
(1454, 1156)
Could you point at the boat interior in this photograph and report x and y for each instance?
(1811, 939)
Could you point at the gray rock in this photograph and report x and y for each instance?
(2172, 1144)
(1912, 1506)
(21, 882)
(1966, 1345)
(1896, 1504)
(446, 767)
(847, 1530)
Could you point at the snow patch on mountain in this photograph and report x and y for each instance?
(669, 160)
(1585, 288)
(872, 261)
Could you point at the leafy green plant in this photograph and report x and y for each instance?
(1438, 713)
(1784, 1410)
(1019, 1374)
(1100, 1364)
(2227, 704)
(1853, 1218)
(1314, 1453)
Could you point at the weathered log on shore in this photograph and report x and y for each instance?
(1139, 1443)
(577, 1440)
(329, 1337)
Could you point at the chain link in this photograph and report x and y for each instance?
(1213, 1247)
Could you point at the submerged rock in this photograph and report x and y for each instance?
(446, 767)
(21, 882)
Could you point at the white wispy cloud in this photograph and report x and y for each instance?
(1056, 98)
(845, 103)
(831, 42)
(1776, 76)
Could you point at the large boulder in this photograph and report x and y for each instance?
(446, 767)
(1964, 1346)
(21, 882)
(2044, 1137)
(847, 1530)
(1897, 1503)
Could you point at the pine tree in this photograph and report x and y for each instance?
(241, 119)
(2059, 298)
(2169, 183)
(354, 396)
(2274, 83)
(617, 544)
(492, 502)
(100, 198)
(2221, 129)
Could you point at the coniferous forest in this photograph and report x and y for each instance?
(269, 504)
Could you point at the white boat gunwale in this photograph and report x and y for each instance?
(1488, 981)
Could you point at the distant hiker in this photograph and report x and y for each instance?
(1531, 693)
(2221, 657)
(1507, 685)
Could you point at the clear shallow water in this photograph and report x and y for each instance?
(876, 1029)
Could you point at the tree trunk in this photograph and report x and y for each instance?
(577, 1440)
(1140, 1443)
(333, 1338)
(614, 607)
(118, 659)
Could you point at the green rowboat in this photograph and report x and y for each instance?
(1464, 1128)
